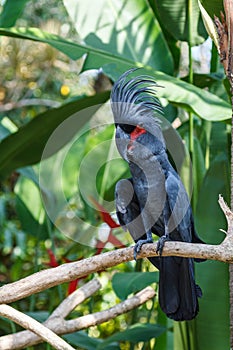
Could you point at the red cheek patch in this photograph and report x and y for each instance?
(138, 131)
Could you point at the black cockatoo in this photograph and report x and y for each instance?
(154, 199)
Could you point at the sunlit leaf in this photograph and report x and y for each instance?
(209, 24)
(127, 29)
(201, 102)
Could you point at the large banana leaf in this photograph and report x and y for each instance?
(26, 146)
(201, 102)
(125, 28)
(176, 15)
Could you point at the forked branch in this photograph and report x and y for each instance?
(56, 323)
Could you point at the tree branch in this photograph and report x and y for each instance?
(29, 102)
(48, 278)
(57, 324)
(34, 326)
(67, 272)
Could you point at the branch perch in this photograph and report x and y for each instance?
(58, 325)
(48, 278)
(68, 272)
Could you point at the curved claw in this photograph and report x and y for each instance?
(139, 245)
(161, 243)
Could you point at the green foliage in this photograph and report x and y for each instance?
(136, 333)
(133, 33)
(35, 134)
(175, 16)
(11, 13)
(48, 119)
(131, 282)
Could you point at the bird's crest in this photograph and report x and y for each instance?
(133, 96)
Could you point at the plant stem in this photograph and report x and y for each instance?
(231, 265)
(190, 76)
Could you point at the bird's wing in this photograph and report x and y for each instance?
(129, 214)
(128, 210)
(180, 219)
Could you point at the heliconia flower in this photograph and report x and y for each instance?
(73, 286)
(105, 216)
(52, 259)
(115, 241)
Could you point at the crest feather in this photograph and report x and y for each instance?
(133, 96)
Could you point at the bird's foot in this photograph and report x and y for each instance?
(140, 243)
(161, 243)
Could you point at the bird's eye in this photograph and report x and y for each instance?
(127, 128)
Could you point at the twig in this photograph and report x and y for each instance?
(29, 102)
(60, 326)
(34, 326)
(228, 214)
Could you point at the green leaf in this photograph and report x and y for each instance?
(213, 7)
(131, 282)
(127, 29)
(212, 324)
(201, 102)
(29, 205)
(209, 24)
(171, 41)
(14, 149)
(198, 166)
(69, 48)
(165, 341)
(40, 316)
(82, 340)
(135, 334)
(103, 166)
(11, 12)
(175, 17)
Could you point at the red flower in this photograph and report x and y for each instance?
(52, 259)
(106, 217)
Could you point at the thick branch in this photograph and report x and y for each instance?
(67, 272)
(60, 326)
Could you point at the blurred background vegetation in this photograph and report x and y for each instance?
(59, 60)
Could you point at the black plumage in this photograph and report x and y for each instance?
(154, 199)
